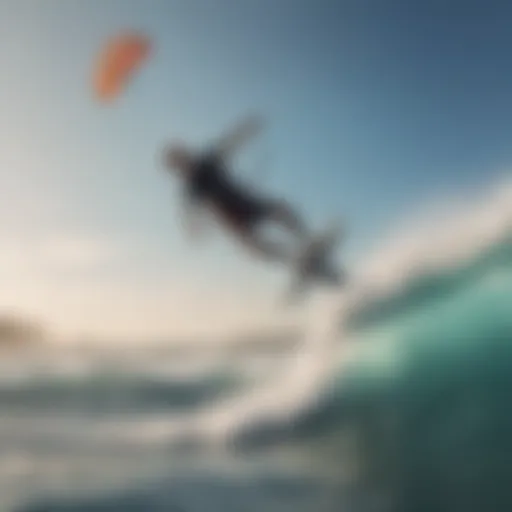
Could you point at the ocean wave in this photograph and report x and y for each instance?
(216, 492)
(451, 261)
(114, 397)
(433, 256)
(430, 288)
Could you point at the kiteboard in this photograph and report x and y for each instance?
(314, 263)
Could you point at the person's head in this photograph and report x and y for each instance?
(177, 157)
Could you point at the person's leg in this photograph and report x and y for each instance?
(245, 215)
(264, 247)
(247, 226)
(244, 225)
(282, 213)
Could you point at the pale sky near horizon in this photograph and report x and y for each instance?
(371, 109)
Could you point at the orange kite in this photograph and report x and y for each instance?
(118, 61)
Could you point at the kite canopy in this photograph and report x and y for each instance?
(117, 62)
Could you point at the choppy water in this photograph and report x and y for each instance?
(408, 408)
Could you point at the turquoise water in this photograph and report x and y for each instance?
(432, 412)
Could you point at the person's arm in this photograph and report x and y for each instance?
(238, 136)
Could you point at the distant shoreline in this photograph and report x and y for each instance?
(18, 331)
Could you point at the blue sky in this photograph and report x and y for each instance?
(372, 108)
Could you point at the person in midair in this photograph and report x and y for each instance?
(243, 211)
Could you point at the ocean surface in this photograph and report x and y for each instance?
(398, 397)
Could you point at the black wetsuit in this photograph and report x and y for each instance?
(209, 182)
